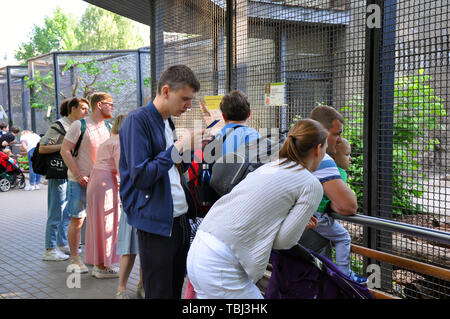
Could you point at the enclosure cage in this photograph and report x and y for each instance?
(383, 64)
(56, 76)
(14, 97)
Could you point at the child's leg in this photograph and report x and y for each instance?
(339, 236)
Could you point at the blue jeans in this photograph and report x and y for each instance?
(35, 179)
(57, 221)
(339, 236)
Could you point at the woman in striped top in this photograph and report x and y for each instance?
(268, 210)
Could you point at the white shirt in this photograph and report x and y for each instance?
(180, 205)
(268, 210)
(31, 140)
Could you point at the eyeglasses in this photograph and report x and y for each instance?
(108, 103)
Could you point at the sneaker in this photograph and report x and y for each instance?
(66, 250)
(122, 295)
(140, 292)
(36, 187)
(77, 265)
(108, 272)
(54, 255)
(357, 278)
(28, 188)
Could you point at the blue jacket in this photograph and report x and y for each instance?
(144, 165)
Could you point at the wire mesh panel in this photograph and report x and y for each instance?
(19, 102)
(115, 72)
(192, 32)
(42, 92)
(3, 95)
(412, 136)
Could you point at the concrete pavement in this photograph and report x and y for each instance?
(23, 273)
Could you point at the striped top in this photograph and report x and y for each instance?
(268, 210)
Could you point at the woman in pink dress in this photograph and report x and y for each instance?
(103, 207)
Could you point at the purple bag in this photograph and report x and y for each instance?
(299, 273)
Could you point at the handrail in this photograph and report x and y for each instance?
(385, 224)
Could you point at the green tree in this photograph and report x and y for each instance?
(56, 34)
(103, 30)
(97, 29)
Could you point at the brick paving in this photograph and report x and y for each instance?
(23, 273)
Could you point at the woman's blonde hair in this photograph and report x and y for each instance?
(118, 121)
(303, 137)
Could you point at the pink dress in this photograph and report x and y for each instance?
(102, 209)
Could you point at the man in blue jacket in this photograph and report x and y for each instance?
(153, 190)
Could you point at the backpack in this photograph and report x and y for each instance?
(231, 168)
(300, 273)
(227, 170)
(50, 165)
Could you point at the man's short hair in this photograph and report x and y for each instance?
(235, 106)
(98, 97)
(3, 125)
(178, 77)
(75, 102)
(326, 115)
(15, 129)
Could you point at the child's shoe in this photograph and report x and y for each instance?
(357, 278)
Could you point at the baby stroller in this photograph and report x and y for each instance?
(300, 273)
(11, 176)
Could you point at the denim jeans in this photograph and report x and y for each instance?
(76, 200)
(35, 179)
(57, 220)
(339, 236)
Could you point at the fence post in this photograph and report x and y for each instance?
(57, 86)
(230, 45)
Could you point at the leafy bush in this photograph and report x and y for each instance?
(417, 113)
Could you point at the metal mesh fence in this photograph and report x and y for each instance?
(61, 75)
(14, 97)
(388, 80)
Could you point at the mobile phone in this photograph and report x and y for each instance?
(213, 123)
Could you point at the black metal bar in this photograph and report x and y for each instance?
(139, 79)
(230, 44)
(371, 118)
(33, 112)
(8, 85)
(57, 86)
(153, 80)
(390, 225)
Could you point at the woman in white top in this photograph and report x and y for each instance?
(268, 210)
(29, 140)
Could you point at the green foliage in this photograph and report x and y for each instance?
(98, 29)
(417, 112)
(43, 88)
(23, 163)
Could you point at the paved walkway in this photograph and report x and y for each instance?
(23, 273)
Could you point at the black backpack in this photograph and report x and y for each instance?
(231, 168)
(51, 165)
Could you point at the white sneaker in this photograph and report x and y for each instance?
(54, 255)
(36, 187)
(28, 188)
(108, 272)
(77, 265)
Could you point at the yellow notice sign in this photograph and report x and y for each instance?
(213, 102)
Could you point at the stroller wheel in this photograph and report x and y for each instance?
(21, 183)
(5, 185)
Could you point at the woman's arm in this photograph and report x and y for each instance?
(295, 222)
